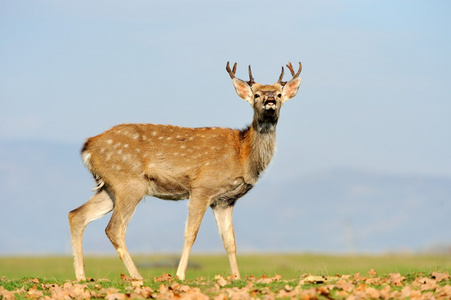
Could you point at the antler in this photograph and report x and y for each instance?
(233, 71)
(251, 79)
(295, 75)
(292, 71)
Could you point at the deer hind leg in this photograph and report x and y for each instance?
(196, 210)
(223, 216)
(125, 204)
(96, 207)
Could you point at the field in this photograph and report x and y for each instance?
(264, 276)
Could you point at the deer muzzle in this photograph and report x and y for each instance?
(270, 103)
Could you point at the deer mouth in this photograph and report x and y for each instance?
(270, 104)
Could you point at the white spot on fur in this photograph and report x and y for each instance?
(109, 141)
(126, 157)
(136, 136)
(154, 133)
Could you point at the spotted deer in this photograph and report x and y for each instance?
(211, 166)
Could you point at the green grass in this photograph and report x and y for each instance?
(290, 266)
(38, 277)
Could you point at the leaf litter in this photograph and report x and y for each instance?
(356, 286)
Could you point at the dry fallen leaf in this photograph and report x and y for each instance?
(125, 278)
(315, 279)
(392, 286)
(116, 296)
(220, 280)
(426, 283)
(6, 295)
(162, 278)
(396, 279)
(440, 276)
(137, 283)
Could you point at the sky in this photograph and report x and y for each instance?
(375, 91)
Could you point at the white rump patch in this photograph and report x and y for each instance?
(86, 157)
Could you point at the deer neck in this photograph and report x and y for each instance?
(261, 146)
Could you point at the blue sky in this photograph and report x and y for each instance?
(375, 94)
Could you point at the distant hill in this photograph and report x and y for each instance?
(338, 210)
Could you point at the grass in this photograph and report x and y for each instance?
(287, 265)
(333, 277)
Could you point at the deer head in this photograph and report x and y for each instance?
(266, 100)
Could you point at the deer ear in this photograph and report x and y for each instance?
(291, 89)
(243, 89)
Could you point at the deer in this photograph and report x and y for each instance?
(211, 166)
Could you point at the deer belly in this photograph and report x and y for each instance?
(166, 188)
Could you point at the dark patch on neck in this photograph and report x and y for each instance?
(244, 133)
(266, 127)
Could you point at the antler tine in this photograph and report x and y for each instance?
(281, 77)
(231, 72)
(295, 75)
(251, 79)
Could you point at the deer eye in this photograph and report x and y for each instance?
(256, 95)
(279, 95)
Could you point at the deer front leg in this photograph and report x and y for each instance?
(223, 216)
(196, 210)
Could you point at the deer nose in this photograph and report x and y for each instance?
(271, 98)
